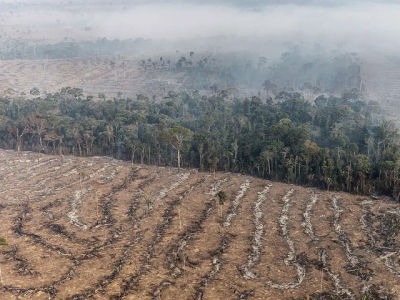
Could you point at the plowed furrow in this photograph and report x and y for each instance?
(385, 255)
(23, 265)
(291, 258)
(356, 267)
(226, 239)
(233, 210)
(168, 217)
(334, 277)
(308, 227)
(174, 258)
(255, 253)
(175, 253)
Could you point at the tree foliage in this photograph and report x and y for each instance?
(336, 143)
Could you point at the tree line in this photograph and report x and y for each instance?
(337, 143)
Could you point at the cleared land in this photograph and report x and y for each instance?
(80, 228)
(94, 75)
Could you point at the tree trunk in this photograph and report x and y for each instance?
(149, 155)
(179, 161)
(133, 156)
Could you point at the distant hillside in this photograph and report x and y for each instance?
(97, 228)
(94, 75)
(382, 81)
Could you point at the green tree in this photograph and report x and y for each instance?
(179, 138)
(34, 91)
(222, 197)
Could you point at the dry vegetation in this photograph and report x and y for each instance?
(80, 228)
(108, 75)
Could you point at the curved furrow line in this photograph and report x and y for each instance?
(61, 230)
(365, 220)
(291, 258)
(22, 264)
(356, 266)
(168, 217)
(158, 289)
(216, 267)
(106, 280)
(383, 254)
(254, 257)
(225, 242)
(151, 201)
(175, 252)
(335, 278)
(174, 257)
(74, 171)
(14, 180)
(353, 259)
(106, 202)
(164, 192)
(233, 211)
(46, 209)
(115, 236)
(51, 289)
(308, 227)
(19, 230)
(246, 294)
(133, 218)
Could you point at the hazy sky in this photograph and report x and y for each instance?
(366, 23)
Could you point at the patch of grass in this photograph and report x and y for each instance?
(3, 242)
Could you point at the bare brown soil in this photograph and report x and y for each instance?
(97, 228)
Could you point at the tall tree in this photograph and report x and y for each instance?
(178, 137)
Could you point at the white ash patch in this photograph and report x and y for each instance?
(164, 192)
(308, 228)
(353, 259)
(291, 257)
(255, 254)
(111, 176)
(75, 204)
(236, 203)
(339, 289)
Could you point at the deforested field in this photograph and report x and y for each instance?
(97, 228)
(93, 75)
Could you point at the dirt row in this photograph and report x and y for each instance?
(96, 228)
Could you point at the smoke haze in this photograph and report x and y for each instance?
(356, 25)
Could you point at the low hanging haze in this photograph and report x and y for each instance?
(357, 25)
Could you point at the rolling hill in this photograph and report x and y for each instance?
(93, 75)
(97, 228)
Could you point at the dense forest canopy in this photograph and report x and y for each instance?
(336, 143)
